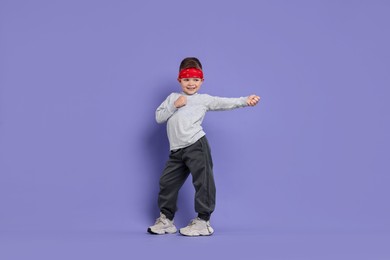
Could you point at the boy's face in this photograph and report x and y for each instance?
(190, 85)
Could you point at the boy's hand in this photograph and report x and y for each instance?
(253, 100)
(180, 102)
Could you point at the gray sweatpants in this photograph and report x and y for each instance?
(195, 159)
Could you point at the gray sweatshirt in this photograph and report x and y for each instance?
(184, 126)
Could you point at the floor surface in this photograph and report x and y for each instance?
(137, 244)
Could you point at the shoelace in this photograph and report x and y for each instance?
(160, 220)
(194, 221)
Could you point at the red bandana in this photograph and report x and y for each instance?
(190, 73)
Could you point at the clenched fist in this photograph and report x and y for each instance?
(180, 102)
(253, 100)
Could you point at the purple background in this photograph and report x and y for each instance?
(304, 175)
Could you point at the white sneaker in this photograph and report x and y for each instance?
(197, 227)
(163, 225)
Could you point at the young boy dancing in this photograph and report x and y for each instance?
(189, 150)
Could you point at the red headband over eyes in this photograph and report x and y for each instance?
(191, 73)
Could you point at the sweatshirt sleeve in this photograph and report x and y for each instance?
(223, 103)
(166, 109)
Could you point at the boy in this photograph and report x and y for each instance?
(189, 150)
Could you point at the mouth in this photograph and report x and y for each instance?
(191, 88)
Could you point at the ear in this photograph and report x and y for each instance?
(179, 80)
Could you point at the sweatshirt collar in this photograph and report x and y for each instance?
(184, 94)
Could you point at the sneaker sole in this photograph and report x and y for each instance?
(173, 231)
(196, 234)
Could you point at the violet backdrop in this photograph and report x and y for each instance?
(80, 81)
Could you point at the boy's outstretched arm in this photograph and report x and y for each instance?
(253, 100)
(222, 103)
